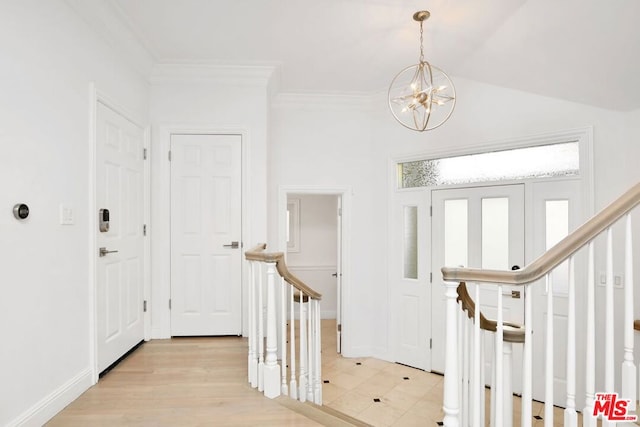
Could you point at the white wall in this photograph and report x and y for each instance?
(213, 100)
(49, 57)
(316, 260)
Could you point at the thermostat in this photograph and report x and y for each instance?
(21, 211)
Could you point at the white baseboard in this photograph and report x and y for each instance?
(50, 405)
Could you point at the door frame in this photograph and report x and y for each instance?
(97, 97)
(161, 230)
(345, 297)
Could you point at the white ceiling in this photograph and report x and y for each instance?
(580, 50)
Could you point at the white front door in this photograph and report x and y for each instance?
(409, 278)
(120, 249)
(206, 253)
(480, 227)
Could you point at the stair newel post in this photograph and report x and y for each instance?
(260, 288)
(570, 415)
(609, 355)
(253, 358)
(451, 403)
(284, 388)
(293, 384)
(302, 386)
(588, 419)
(318, 355)
(628, 367)
(271, 367)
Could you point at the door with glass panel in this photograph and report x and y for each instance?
(410, 323)
(555, 213)
(481, 227)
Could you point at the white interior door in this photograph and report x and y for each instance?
(556, 213)
(120, 266)
(411, 297)
(206, 254)
(339, 280)
(480, 227)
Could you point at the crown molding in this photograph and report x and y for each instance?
(247, 75)
(106, 22)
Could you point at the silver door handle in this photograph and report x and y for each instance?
(233, 245)
(104, 252)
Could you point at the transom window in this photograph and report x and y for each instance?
(520, 163)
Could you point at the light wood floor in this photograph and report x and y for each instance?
(203, 382)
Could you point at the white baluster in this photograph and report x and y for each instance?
(628, 366)
(548, 383)
(459, 336)
(478, 389)
(609, 363)
(451, 405)
(318, 355)
(271, 367)
(570, 415)
(252, 367)
(260, 327)
(499, 366)
(609, 354)
(483, 382)
(465, 369)
(590, 365)
(302, 386)
(310, 352)
(527, 354)
(507, 389)
(284, 388)
(293, 385)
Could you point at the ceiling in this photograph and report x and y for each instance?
(586, 51)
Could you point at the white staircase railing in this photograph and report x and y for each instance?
(464, 402)
(276, 298)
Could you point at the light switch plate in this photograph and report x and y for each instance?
(66, 214)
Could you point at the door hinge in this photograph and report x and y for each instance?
(430, 277)
(169, 303)
(144, 229)
(339, 327)
(144, 154)
(430, 343)
(339, 211)
(169, 155)
(144, 306)
(430, 210)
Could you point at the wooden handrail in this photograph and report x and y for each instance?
(257, 253)
(512, 332)
(558, 253)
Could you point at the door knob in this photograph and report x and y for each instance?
(233, 245)
(104, 252)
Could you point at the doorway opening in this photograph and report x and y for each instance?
(314, 236)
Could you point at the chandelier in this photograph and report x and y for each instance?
(422, 96)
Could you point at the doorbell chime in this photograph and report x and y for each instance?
(20, 211)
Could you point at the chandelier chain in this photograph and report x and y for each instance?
(421, 48)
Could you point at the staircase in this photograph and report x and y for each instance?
(283, 312)
(612, 402)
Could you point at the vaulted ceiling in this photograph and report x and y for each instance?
(586, 51)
